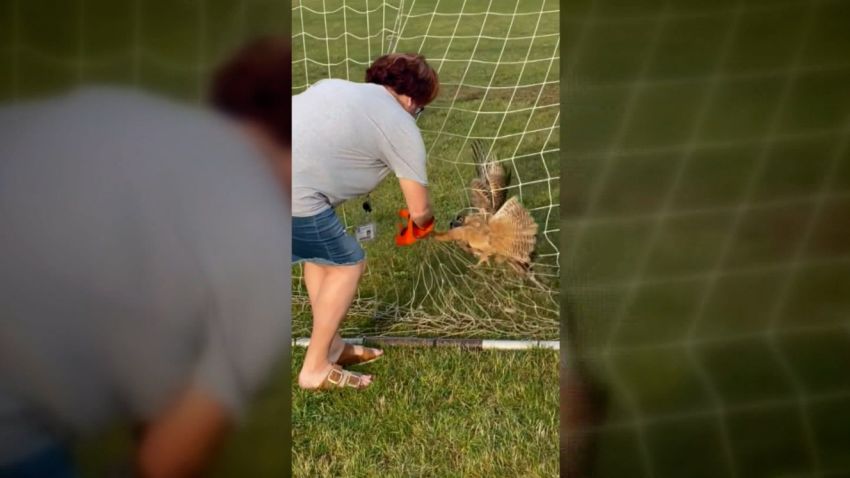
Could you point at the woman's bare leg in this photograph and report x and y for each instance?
(313, 277)
(335, 293)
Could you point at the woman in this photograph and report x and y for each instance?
(346, 138)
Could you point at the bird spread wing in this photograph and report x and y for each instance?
(513, 232)
(489, 188)
(480, 196)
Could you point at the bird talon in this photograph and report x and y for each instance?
(482, 260)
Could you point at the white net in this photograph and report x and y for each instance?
(708, 260)
(498, 64)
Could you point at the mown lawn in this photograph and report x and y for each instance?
(433, 412)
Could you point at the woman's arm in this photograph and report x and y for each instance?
(418, 203)
(182, 440)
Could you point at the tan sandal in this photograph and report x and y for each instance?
(341, 378)
(369, 355)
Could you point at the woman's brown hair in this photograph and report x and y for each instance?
(407, 74)
(256, 85)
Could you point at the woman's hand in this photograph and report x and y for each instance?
(410, 232)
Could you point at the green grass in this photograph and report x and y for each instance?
(718, 358)
(433, 412)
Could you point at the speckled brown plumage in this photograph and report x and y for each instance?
(503, 230)
(489, 189)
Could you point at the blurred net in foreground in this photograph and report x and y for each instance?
(707, 234)
(498, 64)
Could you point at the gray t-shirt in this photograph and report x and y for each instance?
(346, 137)
(144, 246)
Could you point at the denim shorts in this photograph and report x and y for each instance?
(322, 239)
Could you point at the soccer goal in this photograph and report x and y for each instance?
(499, 72)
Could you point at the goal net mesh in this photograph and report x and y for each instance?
(498, 65)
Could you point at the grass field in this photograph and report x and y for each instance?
(445, 412)
(438, 412)
(706, 240)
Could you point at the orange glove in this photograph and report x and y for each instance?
(410, 232)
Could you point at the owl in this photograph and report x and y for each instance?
(508, 236)
(503, 230)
